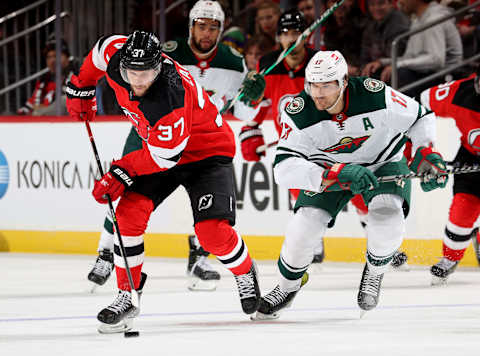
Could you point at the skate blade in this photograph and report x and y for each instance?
(263, 317)
(120, 327)
(402, 268)
(196, 284)
(439, 281)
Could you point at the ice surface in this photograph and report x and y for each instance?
(45, 309)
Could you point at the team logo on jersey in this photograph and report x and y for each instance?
(373, 85)
(138, 123)
(169, 46)
(347, 145)
(474, 138)
(295, 106)
(205, 202)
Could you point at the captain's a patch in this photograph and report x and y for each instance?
(295, 106)
(373, 85)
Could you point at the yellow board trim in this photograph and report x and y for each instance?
(338, 249)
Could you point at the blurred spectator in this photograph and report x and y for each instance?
(387, 24)
(42, 101)
(468, 26)
(343, 32)
(268, 13)
(427, 51)
(255, 48)
(307, 7)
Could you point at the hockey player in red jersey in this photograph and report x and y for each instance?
(185, 142)
(221, 72)
(461, 101)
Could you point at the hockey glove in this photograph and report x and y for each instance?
(351, 177)
(112, 183)
(253, 87)
(81, 100)
(251, 138)
(427, 161)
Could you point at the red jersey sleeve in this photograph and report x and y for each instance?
(95, 65)
(439, 98)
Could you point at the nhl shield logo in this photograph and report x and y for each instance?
(373, 85)
(205, 202)
(295, 106)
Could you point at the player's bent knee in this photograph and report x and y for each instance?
(133, 212)
(216, 236)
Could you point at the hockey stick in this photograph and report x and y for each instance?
(135, 300)
(287, 51)
(263, 148)
(457, 170)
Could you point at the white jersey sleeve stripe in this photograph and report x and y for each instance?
(168, 153)
(98, 54)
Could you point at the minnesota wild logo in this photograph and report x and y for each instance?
(347, 145)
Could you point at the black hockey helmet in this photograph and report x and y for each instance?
(292, 19)
(141, 51)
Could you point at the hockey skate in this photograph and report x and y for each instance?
(399, 261)
(476, 244)
(102, 269)
(275, 301)
(369, 290)
(442, 270)
(118, 316)
(249, 290)
(202, 276)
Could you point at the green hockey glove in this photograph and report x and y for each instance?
(426, 160)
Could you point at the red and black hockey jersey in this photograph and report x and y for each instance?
(458, 100)
(175, 118)
(282, 85)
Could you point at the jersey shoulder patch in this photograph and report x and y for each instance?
(295, 106)
(169, 46)
(365, 95)
(373, 85)
(227, 58)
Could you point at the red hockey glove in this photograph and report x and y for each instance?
(251, 138)
(112, 183)
(351, 177)
(427, 161)
(81, 100)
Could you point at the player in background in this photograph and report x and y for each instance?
(283, 83)
(338, 136)
(461, 101)
(184, 142)
(221, 71)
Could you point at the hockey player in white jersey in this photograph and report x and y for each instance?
(338, 136)
(221, 71)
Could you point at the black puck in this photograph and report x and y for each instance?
(131, 333)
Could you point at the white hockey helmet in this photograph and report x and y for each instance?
(207, 9)
(326, 66)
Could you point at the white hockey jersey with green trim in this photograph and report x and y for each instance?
(371, 131)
